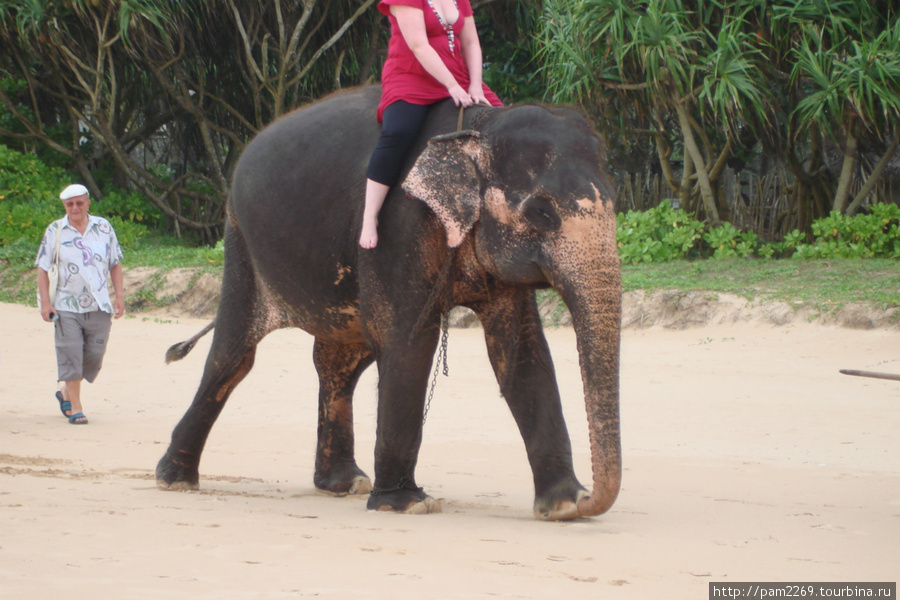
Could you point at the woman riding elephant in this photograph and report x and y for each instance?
(433, 54)
(518, 199)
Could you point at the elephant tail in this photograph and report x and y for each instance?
(181, 349)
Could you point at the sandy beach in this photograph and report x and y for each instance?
(747, 455)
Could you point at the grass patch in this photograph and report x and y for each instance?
(818, 283)
(822, 284)
(170, 253)
(18, 284)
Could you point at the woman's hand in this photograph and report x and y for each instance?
(476, 93)
(460, 96)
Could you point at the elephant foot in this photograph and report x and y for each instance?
(177, 486)
(559, 506)
(348, 480)
(407, 501)
(428, 506)
(174, 476)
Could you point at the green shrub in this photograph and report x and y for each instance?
(19, 252)
(129, 206)
(657, 235)
(214, 256)
(663, 233)
(127, 232)
(727, 242)
(874, 235)
(29, 202)
(29, 196)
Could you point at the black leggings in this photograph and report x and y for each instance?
(400, 125)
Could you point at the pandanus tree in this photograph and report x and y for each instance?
(665, 69)
(706, 82)
(850, 92)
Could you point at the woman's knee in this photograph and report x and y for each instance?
(400, 127)
(402, 122)
(398, 137)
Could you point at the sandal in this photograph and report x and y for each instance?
(64, 404)
(78, 419)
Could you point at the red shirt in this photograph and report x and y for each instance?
(404, 78)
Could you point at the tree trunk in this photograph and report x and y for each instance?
(874, 176)
(664, 152)
(684, 188)
(690, 144)
(851, 158)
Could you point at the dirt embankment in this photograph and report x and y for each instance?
(193, 292)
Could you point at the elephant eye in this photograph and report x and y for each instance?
(541, 215)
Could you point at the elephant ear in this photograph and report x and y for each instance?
(446, 178)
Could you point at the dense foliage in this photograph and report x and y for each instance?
(161, 96)
(29, 202)
(150, 103)
(663, 233)
(710, 94)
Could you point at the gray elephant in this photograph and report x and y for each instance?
(518, 199)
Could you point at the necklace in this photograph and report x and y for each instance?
(448, 28)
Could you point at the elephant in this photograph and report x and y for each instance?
(494, 204)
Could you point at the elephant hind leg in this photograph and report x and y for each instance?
(339, 367)
(241, 323)
(178, 469)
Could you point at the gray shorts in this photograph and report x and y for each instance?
(81, 343)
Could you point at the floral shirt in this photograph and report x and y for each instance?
(84, 264)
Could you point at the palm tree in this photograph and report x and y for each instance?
(851, 91)
(685, 76)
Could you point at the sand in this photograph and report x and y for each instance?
(747, 457)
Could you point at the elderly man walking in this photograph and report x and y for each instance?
(78, 257)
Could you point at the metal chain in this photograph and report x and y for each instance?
(404, 484)
(445, 328)
(441, 359)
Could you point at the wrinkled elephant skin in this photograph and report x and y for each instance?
(517, 201)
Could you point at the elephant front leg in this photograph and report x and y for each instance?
(402, 380)
(339, 367)
(521, 360)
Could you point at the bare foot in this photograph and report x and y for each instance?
(368, 239)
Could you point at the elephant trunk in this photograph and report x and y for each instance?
(597, 323)
(592, 290)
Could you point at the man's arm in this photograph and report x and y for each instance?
(115, 274)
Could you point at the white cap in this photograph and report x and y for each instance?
(76, 189)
